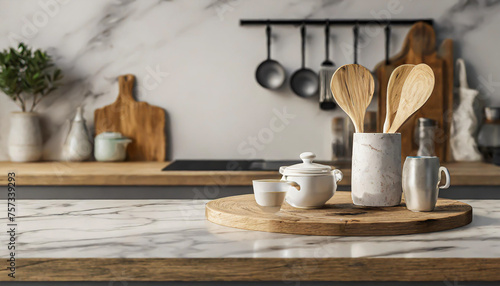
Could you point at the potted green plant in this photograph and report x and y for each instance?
(26, 76)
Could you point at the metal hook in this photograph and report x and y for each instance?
(303, 37)
(387, 31)
(356, 34)
(327, 39)
(268, 35)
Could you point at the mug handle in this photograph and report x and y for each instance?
(447, 174)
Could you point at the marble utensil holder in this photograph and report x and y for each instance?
(376, 169)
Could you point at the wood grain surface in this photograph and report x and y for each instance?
(139, 121)
(338, 217)
(150, 174)
(417, 89)
(352, 87)
(420, 47)
(118, 270)
(394, 89)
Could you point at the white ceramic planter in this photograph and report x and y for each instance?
(376, 169)
(25, 137)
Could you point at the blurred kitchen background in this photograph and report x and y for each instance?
(193, 59)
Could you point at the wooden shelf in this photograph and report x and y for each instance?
(150, 174)
(122, 174)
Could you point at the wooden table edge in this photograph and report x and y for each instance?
(255, 269)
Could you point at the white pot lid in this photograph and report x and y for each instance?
(307, 167)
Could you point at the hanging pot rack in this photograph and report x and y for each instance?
(323, 22)
(356, 23)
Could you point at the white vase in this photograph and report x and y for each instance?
(25, 137)
(77, 146)
(465, 124)
(376, 169)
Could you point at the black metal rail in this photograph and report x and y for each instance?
(322, 22)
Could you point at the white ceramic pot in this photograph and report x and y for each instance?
(25, 137)
(376, 169)
(317, 182)
(111, 147)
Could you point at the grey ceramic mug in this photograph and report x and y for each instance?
(421, 177)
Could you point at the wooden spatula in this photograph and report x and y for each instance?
(416, 91)
(352, 87)
(394, 88)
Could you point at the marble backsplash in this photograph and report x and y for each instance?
(194, 60)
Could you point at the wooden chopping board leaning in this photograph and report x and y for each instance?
(139, 121)
(420, 47)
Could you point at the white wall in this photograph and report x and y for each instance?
(208, 63)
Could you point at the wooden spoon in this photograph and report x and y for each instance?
(394, 88)
(352, 87)
(416, 91)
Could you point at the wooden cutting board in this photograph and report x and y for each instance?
(139, 121)
(338, 217)
(420, 47)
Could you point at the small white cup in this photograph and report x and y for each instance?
(270, 194)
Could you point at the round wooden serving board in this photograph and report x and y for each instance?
(338, 217)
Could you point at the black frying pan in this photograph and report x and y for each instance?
(304, 82)
(270, 74)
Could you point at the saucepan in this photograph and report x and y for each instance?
(270, 74)
(304, 82)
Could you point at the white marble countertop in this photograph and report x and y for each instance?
(178, 229)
